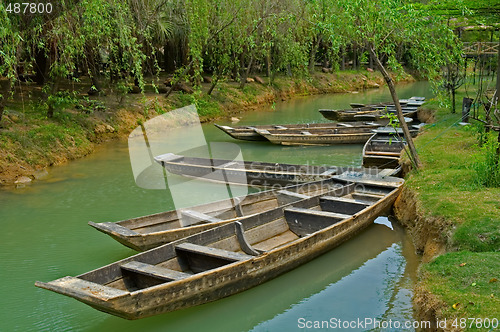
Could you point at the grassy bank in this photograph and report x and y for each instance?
(455, 222)
(30, 141)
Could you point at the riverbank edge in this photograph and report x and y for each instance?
(429, 235)
(75, 132)
(435, 297)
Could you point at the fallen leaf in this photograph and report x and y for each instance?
(473, 284)
(456, 305)
(493, 280)
(463, 264)
(492, 296)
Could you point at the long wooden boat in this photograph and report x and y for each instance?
(383, 150)
(252, 173)
(249, 133)
(364, 113)
(231, 258)
(412, 101)
(153, 230)
(353, 135)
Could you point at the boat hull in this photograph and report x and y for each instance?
(134, 233)
(224, 281)
(312, 139)
(383, 151)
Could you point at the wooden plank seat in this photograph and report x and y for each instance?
(190, 217)
(341, 205)
(285, 197)
(364, 197)
(212, 252)
(154, 271)
(303, 222)
(201, 258)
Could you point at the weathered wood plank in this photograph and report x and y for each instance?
(213, 252)
(365, 197)
(154, 271)
(79, 288)
(109, 227)
(276, 241)
(202, 258)
(286, 197)
(193, 217)
(306, 221)
(341, 205)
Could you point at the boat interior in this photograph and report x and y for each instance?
(227, 209)
(234, 242)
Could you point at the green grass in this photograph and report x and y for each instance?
(469, 279)
(448, 187)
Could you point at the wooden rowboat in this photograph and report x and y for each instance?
(252, 173)
(383, 150)
(249, 133)
(364, 114)
(231, 258)
(352, 135)
(415, 101)
(153, 230)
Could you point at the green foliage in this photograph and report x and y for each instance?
(204, 104)
(487, 168)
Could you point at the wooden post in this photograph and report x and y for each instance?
(413, 151)
(466, 105)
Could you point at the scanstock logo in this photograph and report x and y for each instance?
(180, 132)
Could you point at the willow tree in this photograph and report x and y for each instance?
(386, 25)
(10, 40)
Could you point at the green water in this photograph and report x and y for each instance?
(45, 236)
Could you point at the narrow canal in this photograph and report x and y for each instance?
(45, 236)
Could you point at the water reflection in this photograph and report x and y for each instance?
(45, 236)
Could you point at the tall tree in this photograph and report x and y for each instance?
(383, 26)
(10, 41)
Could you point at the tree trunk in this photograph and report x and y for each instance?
(214, 83)
(246, 73)
(312, 55)
(4, 92)
(355, 57)
(94, 71)
(413, 151)
(174, 82)
(54, 84)
(342, 57)
(41, 67)
(268, 64)
(2, 107)
(453, 93)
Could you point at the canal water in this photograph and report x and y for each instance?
(45, 236)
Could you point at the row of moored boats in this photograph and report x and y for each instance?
(194, 255)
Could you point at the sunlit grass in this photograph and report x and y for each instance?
(448, 187)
